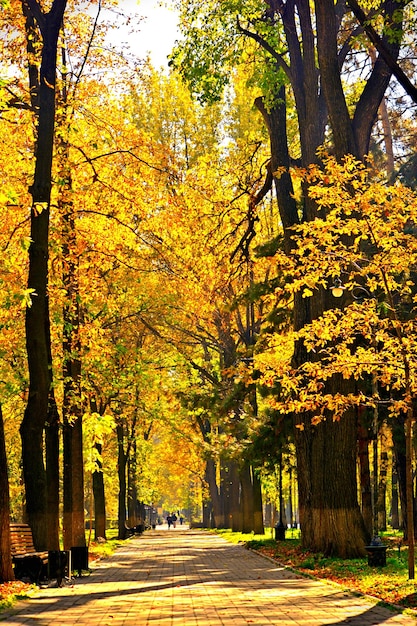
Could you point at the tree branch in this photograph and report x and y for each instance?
(402, 78)
(265, 45)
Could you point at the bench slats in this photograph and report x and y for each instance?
(27, 560)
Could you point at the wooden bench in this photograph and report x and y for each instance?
(135, 530)
(28, 563)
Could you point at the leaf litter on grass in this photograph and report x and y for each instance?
(389, 584)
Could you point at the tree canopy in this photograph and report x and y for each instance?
(171, 246)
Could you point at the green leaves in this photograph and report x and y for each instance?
(217, 38)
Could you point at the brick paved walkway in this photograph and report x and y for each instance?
(194, 578)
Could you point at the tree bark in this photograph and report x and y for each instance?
(132, 491)
(258, 518)
(365, 478)
(246, 499)
(52, 458)
(398, 439)
(330, 518)
(395, 513)
(275, 119)
(329, 512)
(233, 496)
(207, 513)
(230, 494)
(327, 31)
(6, 567)
(121, 472)
(353, 136)
(74, 519)
(99, 497)
(37, 324)
(210, 477)
(52, 474)
(382, 491)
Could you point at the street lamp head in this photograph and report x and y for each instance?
(337, 288)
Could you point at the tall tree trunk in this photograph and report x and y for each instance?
(224, 495)
(207, 512)
(210, 478)
(250, 501)
(395, 512)
(398, 439)
(52, 458)
(67, 481)
(246, 499)
(365, 478)
(382, 482)
(52, 474)
(269, 515)
(121, 472)
(319, 448)
(6, 567)
(330, 518)
(258, 518)
(78, 518)
(132, 491)
(234, 500)
(99, 497)
(73, 475)
(73, 478)
(230, 494)
(37, 323)
(74, 519)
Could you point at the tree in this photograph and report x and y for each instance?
(287, 54)
(98, 426)
(6, 567)
(37, 314)
(367, 240)
(196, 271)
(352, 136)
(16, 136)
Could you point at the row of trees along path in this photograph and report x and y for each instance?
(172, 311)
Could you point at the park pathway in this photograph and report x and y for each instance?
(187, 577)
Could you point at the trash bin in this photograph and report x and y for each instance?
(377, 553)
(279, 531)
(58, 565)
(79, 559)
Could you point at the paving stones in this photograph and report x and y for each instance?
(184, 577)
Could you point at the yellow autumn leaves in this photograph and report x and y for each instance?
(366, 240)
